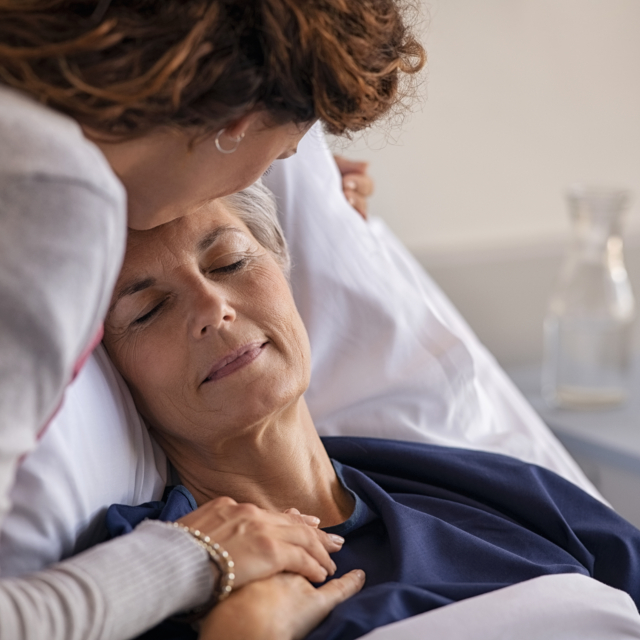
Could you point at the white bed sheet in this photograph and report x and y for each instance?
(558, 607)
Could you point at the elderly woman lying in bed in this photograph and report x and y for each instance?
(205, 331)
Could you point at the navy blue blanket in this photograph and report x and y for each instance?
(435, 525)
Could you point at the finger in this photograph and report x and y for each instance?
(317, 543)
(290, 517)
(296, 560)
(312, 521)
(359, 203)
(320, 546)
(329, 541)
(332, 594)
(361, 184)
(350, 166)
(340, 589)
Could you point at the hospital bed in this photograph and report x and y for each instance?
(391, 358)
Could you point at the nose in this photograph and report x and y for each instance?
(211, 309)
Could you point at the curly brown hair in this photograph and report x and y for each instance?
(201, 64)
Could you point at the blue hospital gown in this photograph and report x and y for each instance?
(434, 525)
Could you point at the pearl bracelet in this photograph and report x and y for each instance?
(217, 555)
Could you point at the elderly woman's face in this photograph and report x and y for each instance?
(204, 328)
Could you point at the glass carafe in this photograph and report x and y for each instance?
(589, 320)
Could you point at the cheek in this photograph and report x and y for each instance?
(151, 367)
(273, 298)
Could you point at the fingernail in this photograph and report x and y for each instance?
(352, 201)
(312, 520)
(359, 573)
(351, 184)
(335, 566)
(336, 539)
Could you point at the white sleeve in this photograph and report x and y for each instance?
(114, 591)
(61, 246)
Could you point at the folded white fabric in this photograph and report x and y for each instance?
(558, 607)
(390, 358)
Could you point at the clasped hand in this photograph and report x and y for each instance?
(275, 555)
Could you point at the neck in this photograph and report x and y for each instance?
(279, 465)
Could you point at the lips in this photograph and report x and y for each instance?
(235, 360)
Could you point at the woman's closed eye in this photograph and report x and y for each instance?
(233, 267)
(149, 314)
(230, 268)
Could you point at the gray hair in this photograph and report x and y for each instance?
(256, 207)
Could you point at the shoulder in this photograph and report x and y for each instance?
(39, 143)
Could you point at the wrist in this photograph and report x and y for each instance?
(220, 564)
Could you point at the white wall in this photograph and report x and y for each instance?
(522, 98)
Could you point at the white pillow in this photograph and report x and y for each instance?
(95, 452)
(390, 358)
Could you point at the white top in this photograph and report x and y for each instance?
(62, 239)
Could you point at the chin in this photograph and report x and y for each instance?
(255, 175)
(258, 406)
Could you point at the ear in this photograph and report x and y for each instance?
(238, 128)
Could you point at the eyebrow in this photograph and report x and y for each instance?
(129, 290)
(212, 236)
(203, 244)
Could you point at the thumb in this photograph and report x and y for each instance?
(340, 589)
(328, 596)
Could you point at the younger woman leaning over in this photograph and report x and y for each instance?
(129, 113)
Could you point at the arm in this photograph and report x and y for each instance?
(61, 244)
(119, 589)
(114, 591)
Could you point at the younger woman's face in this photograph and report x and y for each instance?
(204, 329)
(167, 173)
